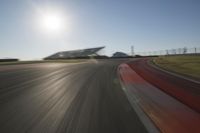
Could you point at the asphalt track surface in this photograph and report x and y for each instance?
(70, 98)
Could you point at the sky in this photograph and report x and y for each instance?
(148, 25)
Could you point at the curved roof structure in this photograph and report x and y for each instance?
(119, 54)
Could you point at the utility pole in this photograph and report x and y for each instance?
(132, 50)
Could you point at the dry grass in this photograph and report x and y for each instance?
(187, 65)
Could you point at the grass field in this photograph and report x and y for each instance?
(186, 65)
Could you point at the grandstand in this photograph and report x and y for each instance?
(76, 54)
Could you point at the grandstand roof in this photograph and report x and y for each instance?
(75, 53)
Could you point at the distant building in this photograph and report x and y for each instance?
(74, 54)
(120, 54)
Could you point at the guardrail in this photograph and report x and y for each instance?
(177, 51)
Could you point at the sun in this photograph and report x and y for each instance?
(52, 22)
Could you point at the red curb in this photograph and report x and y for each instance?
(185, 91)
(167, 113)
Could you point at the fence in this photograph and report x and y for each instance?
(178, 51)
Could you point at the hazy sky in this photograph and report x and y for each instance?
(116, 24)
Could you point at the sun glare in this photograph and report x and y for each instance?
(52, 22)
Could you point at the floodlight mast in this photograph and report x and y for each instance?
(132, 50)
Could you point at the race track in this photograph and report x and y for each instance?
(98, 96)
(70, 98)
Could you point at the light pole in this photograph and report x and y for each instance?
(132, 50)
